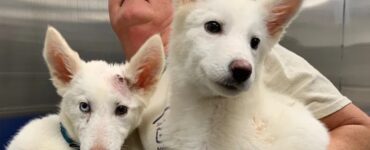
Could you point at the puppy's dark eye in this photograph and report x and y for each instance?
(121, 110)
(213, 27)
(255, 43)
(85, 107)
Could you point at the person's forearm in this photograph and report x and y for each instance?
(129, 48)
(131, 41)
(350, 137)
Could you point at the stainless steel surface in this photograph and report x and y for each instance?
(339, 50)
(317, 36)
(334, 36)
(356, 53)
(24, 81)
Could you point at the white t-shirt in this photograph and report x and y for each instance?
(290, 74)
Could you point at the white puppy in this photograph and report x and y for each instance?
(216, 99)
(101, 103)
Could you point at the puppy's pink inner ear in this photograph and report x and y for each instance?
(281, 14)
(147, 72)
(61, 68)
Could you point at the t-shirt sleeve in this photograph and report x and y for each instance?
(288, 73)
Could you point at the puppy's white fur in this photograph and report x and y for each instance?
(101, 85)
(204, 115)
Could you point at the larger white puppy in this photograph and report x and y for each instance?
(212, 96)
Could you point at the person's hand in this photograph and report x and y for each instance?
(134, 21)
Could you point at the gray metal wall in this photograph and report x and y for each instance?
(356, 53)
(24, 80)
(333, 35)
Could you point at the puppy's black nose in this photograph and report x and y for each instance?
(240, 70)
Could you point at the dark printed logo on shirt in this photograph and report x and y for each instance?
(158, 125)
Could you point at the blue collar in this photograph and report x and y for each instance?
(71, 143)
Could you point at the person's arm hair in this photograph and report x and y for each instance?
(349, 129)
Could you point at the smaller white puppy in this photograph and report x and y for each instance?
(101, 103)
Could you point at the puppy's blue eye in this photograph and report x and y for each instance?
(85, 107)
(255, 43)
(213, 27)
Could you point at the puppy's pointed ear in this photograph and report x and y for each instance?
(62, 61)
(146, 66)
(280, 14)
